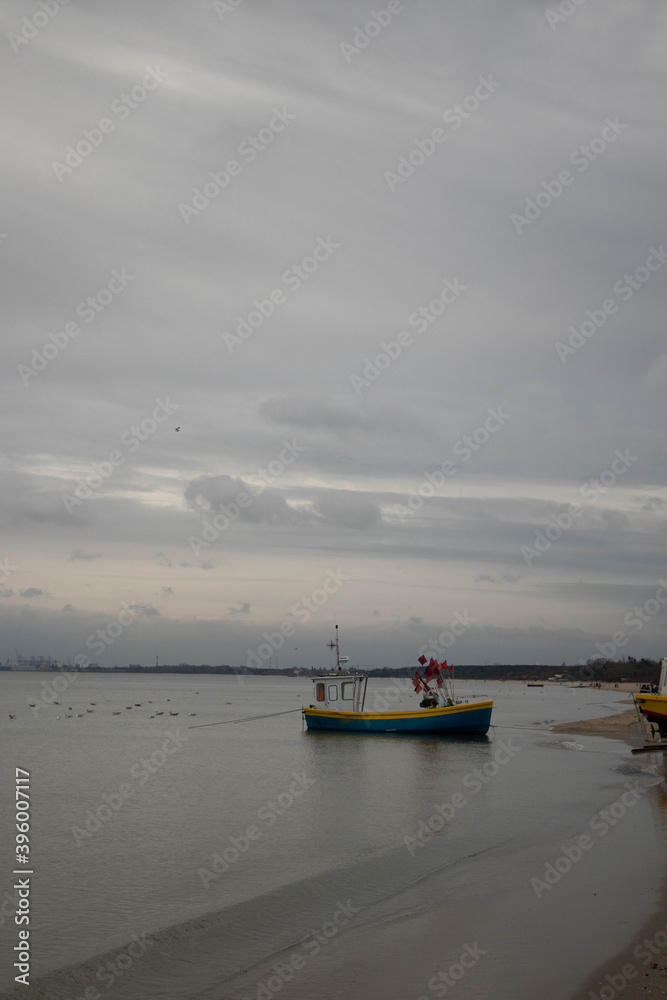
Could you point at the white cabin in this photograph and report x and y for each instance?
(340, 692)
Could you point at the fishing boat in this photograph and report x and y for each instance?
(340, 700)
(654, 706)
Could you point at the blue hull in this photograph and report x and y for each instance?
(458, 720)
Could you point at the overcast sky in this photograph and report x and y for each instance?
(451, 189)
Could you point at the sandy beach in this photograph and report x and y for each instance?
(640, 970)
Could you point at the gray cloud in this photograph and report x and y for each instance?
(144, 610)
(345, 509)
(243, 609)
(214, 494)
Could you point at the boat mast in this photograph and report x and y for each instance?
(335, 645)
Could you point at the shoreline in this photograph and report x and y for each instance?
(640, 969)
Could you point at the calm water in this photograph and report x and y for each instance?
(316, 892)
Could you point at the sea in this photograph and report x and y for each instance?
(190, 840)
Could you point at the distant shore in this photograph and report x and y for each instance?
(621, 675)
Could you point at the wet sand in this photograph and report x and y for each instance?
(640, 971)
(626, 725)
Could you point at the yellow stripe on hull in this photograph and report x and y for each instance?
(471, 718)
(656, 704)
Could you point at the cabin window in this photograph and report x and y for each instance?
(347, 691)
(319, 692)
(333, 692)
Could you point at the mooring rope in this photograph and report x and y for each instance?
(251, 718)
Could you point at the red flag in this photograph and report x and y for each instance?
(417, 681)
(444, 665)
(422, 660)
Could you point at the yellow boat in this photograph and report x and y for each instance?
(654, 706)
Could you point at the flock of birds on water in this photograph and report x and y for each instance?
(93, 706)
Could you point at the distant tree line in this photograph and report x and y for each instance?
(643, 671)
